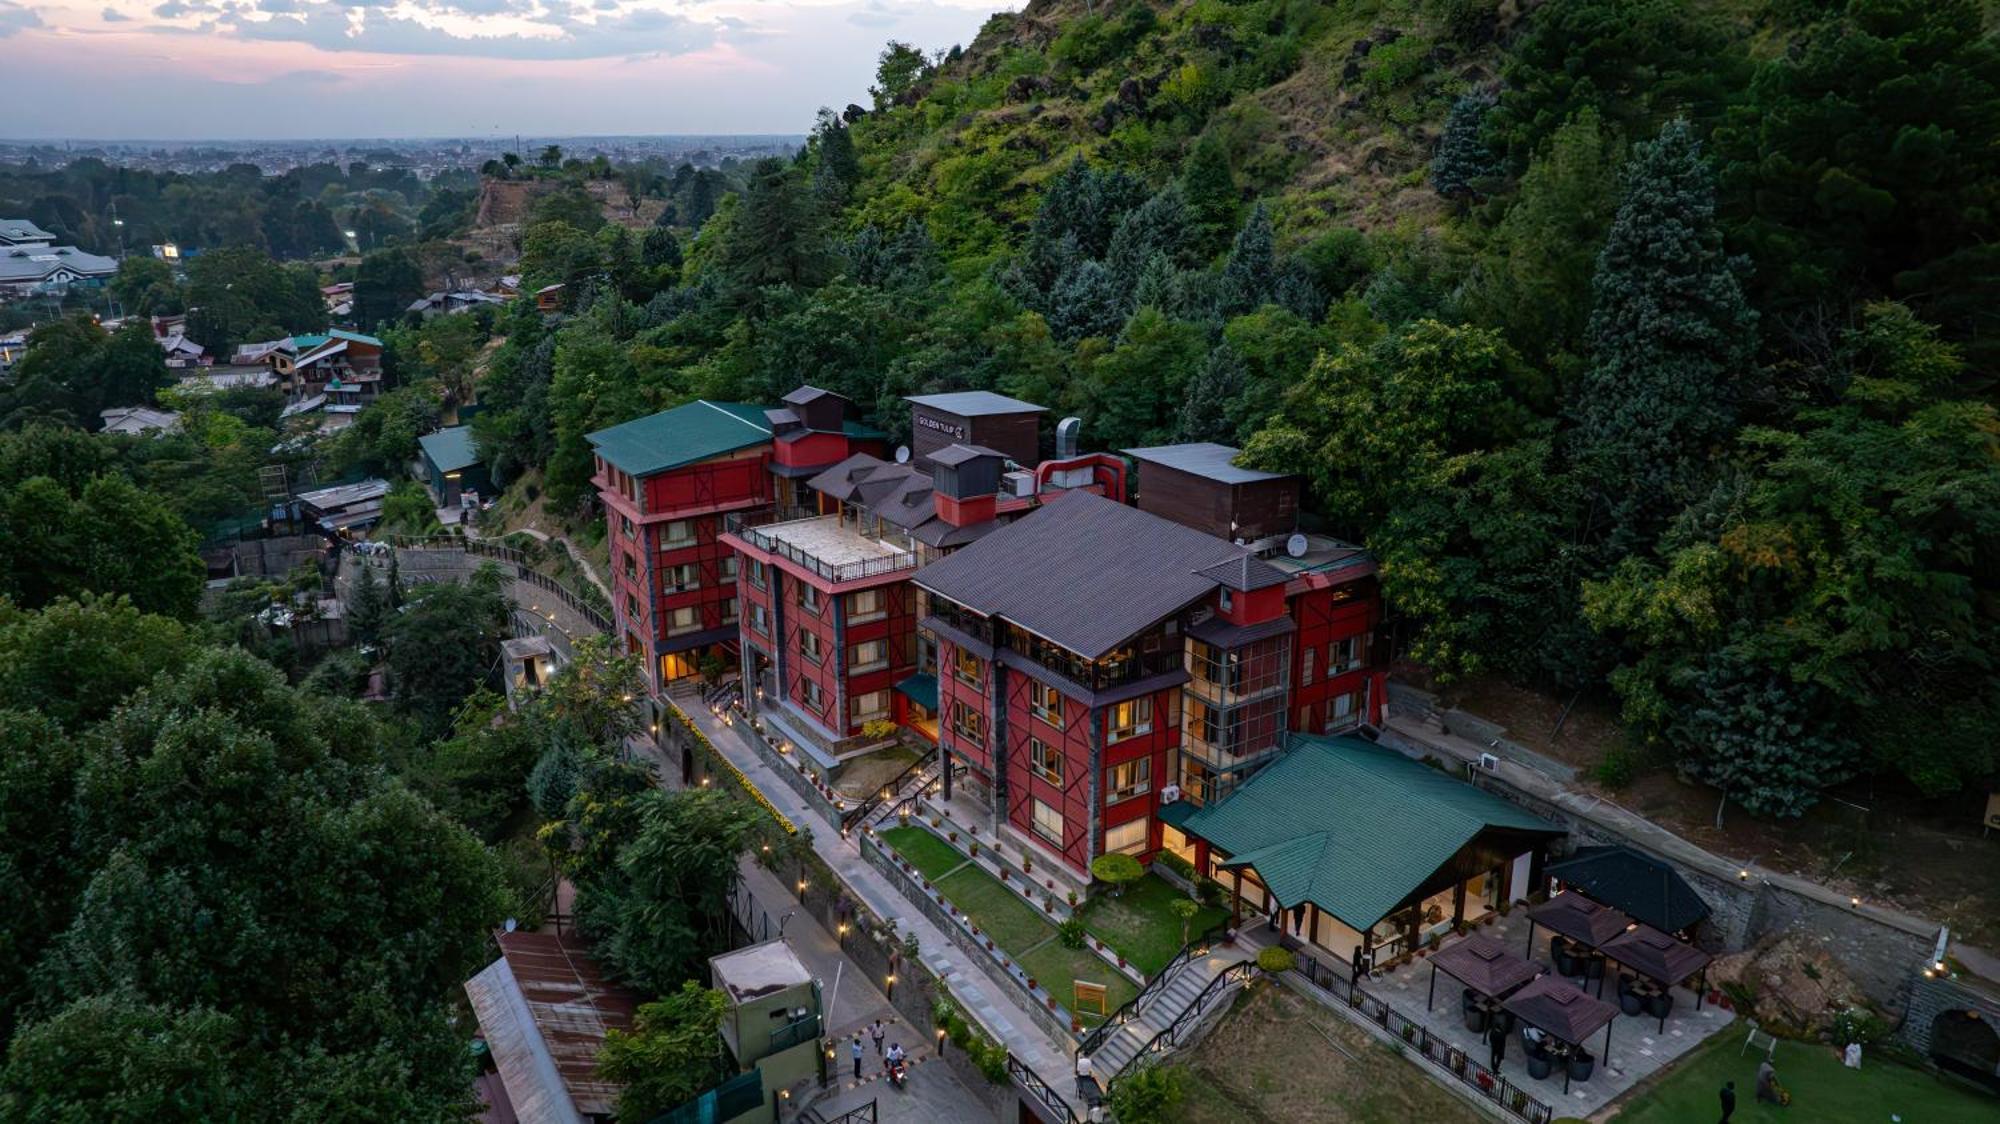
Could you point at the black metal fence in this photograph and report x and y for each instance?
(1177, 1033)
(523, 570)
(1441, 1055)
(1032, 1084)
(1101, 1033)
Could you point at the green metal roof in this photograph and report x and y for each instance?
(922, 690)
(683, 435)
(307, 343)
(352, 337)
(1350, 826)
(450, 450)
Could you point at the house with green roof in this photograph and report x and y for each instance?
(1362, 851)
(452, 465)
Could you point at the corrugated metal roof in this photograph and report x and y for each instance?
(683, 435)
(549, 982)
(1203, 458)
(450, 450)
(976, 403)
(1350, 826)
(1083, 571)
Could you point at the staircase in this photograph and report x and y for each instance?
(876, 810)
(1154, 1016)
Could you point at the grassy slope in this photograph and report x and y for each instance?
(1140, 925)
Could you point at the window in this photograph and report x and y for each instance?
(1126, 838)
(1133, 778)
(757, 574)
(1225, 599)
(868, 656)
(1344, 710)
(1045, 761)
(865, 605)
(676, 534)
(1046, 702)
(631, 565)
(808, 598)
(1130, 718)
(968, 668)
(626, 527)
(871, 707)
(760, 620)
(1343, 655)
(811, 694)
(729, 568)
(1048, 823)
(684, 619)
(684, 577)
(809, 646)
(729, 611)
(968, 723)
(1306, 667)
(631, 606)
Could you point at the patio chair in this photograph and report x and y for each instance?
(1475, 1019)
(1539, 1066)
(1581, 1066)
(1661, 1005)
(1628, 1001)
(1559, 952)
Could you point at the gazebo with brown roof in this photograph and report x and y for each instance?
(1562, 1011)
(1578, 918)
(1482, 964)
(1659, 957)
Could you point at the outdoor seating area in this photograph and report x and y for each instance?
(1500, 991)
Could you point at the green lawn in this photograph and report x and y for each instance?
(1055, 968)
(1013, 924)
(933, 857)
(1823, 1091)
(1140, 925)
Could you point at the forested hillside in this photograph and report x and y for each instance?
(1650, 344)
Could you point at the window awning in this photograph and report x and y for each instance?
(922, 690)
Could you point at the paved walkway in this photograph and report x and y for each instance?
(995, 1008)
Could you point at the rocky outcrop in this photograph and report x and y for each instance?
(1796, 985)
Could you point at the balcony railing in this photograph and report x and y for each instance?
(758, 533)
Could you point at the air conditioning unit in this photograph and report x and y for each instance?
(1489, 762)
(1020, 484)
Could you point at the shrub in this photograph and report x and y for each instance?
(1177, 864)
(1070, 933)
(1116, 870)
(1149, 1096)
(1618, 767)
(1276, 961)
(1858, 1024)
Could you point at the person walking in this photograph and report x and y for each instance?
(1728, 1096)
(1498, 1038)
(857, 1055)
(876, 1033)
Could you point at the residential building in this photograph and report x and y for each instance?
(544, 1008)
(1094, 656)
(182, 352)
(452, 466)
(667, 482)
(21, 232)
(345, 366)
(139, 420)
(771, 1026)
(459, 300)
(548, 298)
(975, 417)
(39, 267)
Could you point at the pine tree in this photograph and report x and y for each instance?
(1159, 227)
(1211, 193)
(1085, 302)
(1206, 414)
(1462, 159)
(1669, 336)
(395, 590)
(777, 239)
(365, 615)
(1252, 268)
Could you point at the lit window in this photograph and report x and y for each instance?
(865, 605)
(868, 656)
(1045, 702)
(1048, 823)
(1045, 761)
(1126, 838)
(1131, 718)
(871, 707)
(809, 646)
(968, 723)
(968, 668)
(1133, 778)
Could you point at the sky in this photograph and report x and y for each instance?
(273, 69)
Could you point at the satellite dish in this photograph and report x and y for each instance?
(1296, 546)
(902, 454)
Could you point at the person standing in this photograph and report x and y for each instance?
(1498, 1038)
(876, 1033)
(1728, 1096)
(857, 1055)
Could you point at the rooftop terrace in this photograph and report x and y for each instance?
(829, 547)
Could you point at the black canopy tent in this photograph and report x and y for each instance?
(1661, 958)
(1644, 888)
(1560, 1010)
(1579, 919)
(1482, 964)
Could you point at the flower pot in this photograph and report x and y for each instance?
(1121, 962)
(953, 837)
(1031, 983)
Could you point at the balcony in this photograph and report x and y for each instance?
(824, 546)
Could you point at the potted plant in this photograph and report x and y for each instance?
(1485, 1080)
(1031, 983)
(1004, 874)
(1027, 862)
(1409, 1032)
(1520, 1101)
(952, 837)
(975, 849)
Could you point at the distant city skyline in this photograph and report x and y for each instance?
(259, 70)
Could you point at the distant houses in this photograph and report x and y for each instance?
(32, 262)
(460, 300)
(139, 421)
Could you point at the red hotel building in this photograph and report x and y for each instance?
(668, 480)
(1099, 662)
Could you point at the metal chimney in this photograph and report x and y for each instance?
(1066, 437)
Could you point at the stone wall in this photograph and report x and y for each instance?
(1882, 949)
(1933, 995)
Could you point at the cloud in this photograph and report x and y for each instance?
(14, 17)
(113, 15)
(874, 14)
(570, 34)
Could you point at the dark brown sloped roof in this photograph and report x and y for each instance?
(1245, 573)
(1555, 1005)
(1082, 571)
(1580, 919)
(1484, 965)
(1654, 954)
